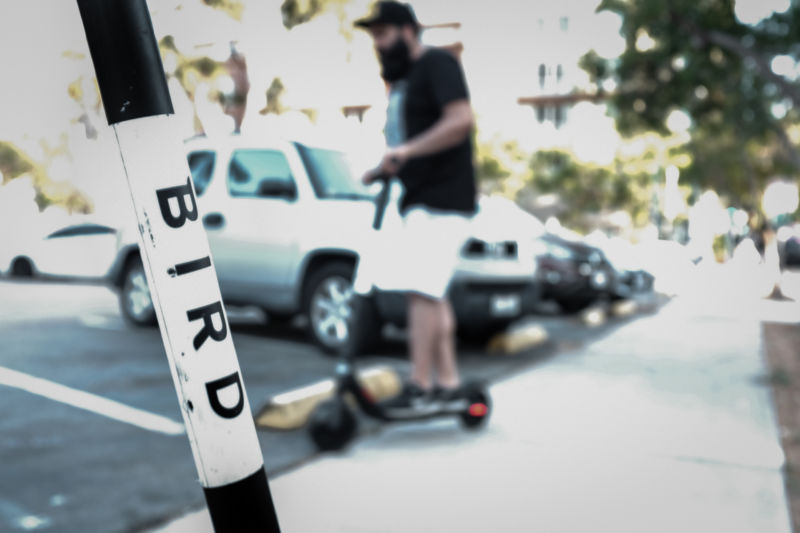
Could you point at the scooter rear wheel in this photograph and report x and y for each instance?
(332, 425)
(479, 407)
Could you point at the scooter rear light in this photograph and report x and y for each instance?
(369, 396)
(478, 409)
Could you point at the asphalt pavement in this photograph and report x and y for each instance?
(91, 436)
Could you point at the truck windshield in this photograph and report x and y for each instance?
(331, 175)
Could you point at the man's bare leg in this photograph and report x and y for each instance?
(423, 332)
(445, 354)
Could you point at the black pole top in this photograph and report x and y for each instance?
(126, 59)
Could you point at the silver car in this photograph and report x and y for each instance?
(286, 221)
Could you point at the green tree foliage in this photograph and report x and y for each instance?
(275, 95)
(698, 58)
(190, 69)
(489, 165)
(296, 12)
(15, 163)
(490, 168)
(233, 8)
(588, 189)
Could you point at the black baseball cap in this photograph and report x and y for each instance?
(389, 12)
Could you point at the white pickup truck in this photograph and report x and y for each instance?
(285, 221)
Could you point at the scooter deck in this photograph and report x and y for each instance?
(426, 410)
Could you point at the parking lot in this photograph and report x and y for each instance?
(92, 432)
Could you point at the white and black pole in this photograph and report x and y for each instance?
(178, 265)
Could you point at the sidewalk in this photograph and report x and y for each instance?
(660, 427)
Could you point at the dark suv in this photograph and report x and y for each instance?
(573, 274)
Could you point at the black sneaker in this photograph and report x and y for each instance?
(442, 393)
(451, 399)
(412, 400)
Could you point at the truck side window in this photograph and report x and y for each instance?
(260, 174)
(201, 164)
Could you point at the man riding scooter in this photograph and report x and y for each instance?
(428, 129)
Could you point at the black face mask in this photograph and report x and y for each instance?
(396, 61)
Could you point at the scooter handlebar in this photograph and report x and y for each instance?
(382, 200)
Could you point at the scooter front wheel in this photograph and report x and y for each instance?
(479, 407)
(332, 425)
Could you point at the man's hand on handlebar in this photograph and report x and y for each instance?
(372, 175)
(393, 160)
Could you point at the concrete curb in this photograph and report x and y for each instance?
(624, 308)
(291, 409)
(594, 316)
(518, 339)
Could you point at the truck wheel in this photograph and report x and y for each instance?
(328, 306)
(21, 268)
(332, 425)
(134, 296)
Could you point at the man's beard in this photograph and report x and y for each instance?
(395, 61)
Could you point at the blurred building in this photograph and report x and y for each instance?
(563, 108)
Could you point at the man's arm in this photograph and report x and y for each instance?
(452, 128)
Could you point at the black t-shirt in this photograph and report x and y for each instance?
(445, 180)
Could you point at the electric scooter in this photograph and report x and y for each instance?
(333, 422)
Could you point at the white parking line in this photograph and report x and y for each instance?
(98, 321)
(89, 402)
(20, 519)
